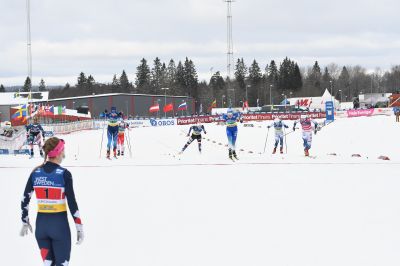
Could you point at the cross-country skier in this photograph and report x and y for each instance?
(112, 132)
(52, 185)
(307, 126)
(278, 126)
(196, 135)
(35, 135)
(231, 118)
(122, 126)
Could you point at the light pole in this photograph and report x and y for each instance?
(158, 112)
(284, 95)
(223, 96)
(247, 86)
(73, 105)
(341, 96)
(270, 94)
(165, 100)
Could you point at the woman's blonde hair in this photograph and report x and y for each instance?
(48, 146)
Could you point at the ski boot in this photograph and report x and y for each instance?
(108, 154)
(41, 153)
(122, 153)
(274, 151)
(230, 154)
(281, 150)
(234, 155)
(115, 153)
(118, 153)
(306, 153)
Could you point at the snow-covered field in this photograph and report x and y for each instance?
(157, 208)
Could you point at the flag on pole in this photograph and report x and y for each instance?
(245, 105)
(183, 106)
(155, 108)
(213, 105)
(169, 107)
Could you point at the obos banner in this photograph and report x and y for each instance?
(162, 122)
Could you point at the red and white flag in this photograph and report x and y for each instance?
(154, 108)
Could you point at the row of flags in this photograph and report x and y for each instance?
(183, 106)
(27, 110)
(168, 107)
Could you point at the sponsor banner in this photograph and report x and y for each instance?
(162, 122)
(282, 116)
(357, 113)
(248, 125)
(48, 134)
(138, 123)
(249, 117)
(368, 112)
(197, 119)
(22, 152)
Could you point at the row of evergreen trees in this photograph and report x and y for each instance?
(259, 86)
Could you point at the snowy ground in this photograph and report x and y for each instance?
(161, 209)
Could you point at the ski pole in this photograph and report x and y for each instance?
(129, 143)
(284, 131)
(265, 145)
(102, 137)
(289, 132)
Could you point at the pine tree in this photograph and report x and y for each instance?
(326, 80)
(297, 79)
(180, 79)
(316, 75)
(273, 74)
(90, 85)
(344, 83)
(2, 89)
(42, 85)
(285, 75)
(217, 86)
(124, 82)
(67, 86)
(143, 78)
(255, 79)
(156, 76)
(171, 73)
(164, 79)
(82, 82)
(115, 84)
(27, 85)
(241, 73)
(191, 78)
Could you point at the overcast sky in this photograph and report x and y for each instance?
(103, 37)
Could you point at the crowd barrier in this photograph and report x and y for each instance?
(66, 128)
(9, 145)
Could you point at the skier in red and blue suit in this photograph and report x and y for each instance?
(307, 126)
(52, 185)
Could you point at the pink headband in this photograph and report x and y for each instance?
(57, 150)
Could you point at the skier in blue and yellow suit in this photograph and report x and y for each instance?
(112, 132)
(231, 119)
